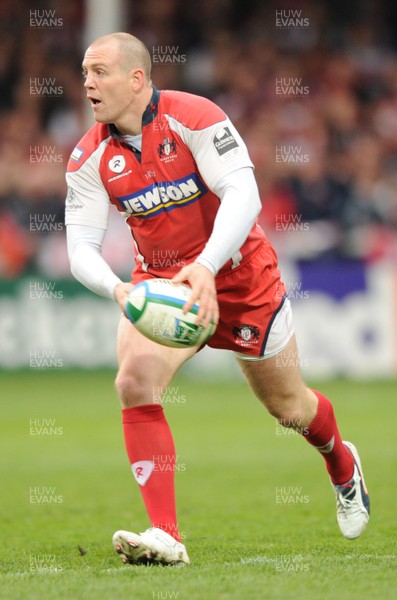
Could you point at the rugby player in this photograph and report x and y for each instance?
(177, 170)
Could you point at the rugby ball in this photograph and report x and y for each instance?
(155, 306)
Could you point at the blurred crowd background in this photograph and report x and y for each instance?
(311, 86)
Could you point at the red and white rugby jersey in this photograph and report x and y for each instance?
(165, 192)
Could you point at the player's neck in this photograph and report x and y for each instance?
(131, 124)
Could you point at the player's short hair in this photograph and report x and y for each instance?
(134, 53)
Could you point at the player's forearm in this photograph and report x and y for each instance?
(86, 262)
(240, 206)
(93, 272)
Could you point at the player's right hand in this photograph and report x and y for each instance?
(120, 294)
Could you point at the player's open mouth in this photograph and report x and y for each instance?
(94, 101)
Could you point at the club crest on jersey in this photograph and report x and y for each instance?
(246, 335)
(117, 163)
(167, 150)
(162, 196)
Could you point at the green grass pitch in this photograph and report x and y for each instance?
(256, 509)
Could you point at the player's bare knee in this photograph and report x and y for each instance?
(132, 390)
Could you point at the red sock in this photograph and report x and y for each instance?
(151, 450)
(323, 433)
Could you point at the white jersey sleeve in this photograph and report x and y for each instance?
(218, 149)
(233, 220)
(87, 201)
(86, 263)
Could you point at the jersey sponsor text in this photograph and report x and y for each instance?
(162, 196)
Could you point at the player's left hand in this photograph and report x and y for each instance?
(203, 287)
(120, 294)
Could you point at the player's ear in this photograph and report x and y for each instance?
(137, 77)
